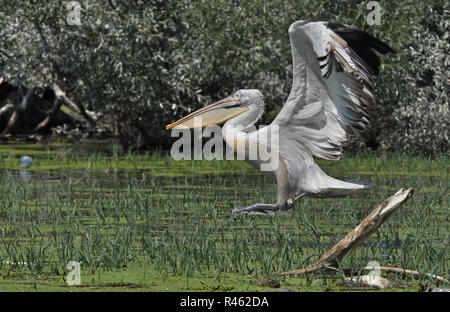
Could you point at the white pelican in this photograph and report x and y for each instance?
(329, 103)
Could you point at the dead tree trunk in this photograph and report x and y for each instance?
(362, 232)
(54, 110)
(19, 111)
(76, 107)
(31, 111)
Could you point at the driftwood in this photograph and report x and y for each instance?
(370, 280)
(389, 269)
(361, 233)
(374, 277)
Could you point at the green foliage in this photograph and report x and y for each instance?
(146, 63)
(419, 120)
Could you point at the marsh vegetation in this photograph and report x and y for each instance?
(147, 222)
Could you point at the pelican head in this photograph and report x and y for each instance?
(248, 104)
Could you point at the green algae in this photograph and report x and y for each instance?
(145, 222)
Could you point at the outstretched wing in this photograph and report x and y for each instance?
(331, 95)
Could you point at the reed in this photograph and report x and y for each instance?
(125, 216)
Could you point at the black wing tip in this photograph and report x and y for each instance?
(373, 42)
(378, 45)
(363, 44)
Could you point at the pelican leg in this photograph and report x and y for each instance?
(258, 209)
(264, 209)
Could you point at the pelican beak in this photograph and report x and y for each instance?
(214, 114)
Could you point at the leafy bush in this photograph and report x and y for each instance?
(420, 120)
(144, 64)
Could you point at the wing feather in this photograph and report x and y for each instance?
(332, 92)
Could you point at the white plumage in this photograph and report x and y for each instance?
(329, 103)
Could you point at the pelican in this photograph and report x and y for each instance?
(328, 105)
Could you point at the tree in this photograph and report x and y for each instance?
(143, 64)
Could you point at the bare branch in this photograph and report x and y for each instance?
(406, 271)
(5, 109)
(18, 110)
(361, 233)
(76, 107)
(52, 112)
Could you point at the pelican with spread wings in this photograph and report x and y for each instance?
(329, 103)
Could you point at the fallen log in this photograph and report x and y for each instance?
(396, 270)
(76, 107)
(30, 111)
(5, 110)
(51, 112)
(361, 233)
(19, 110)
